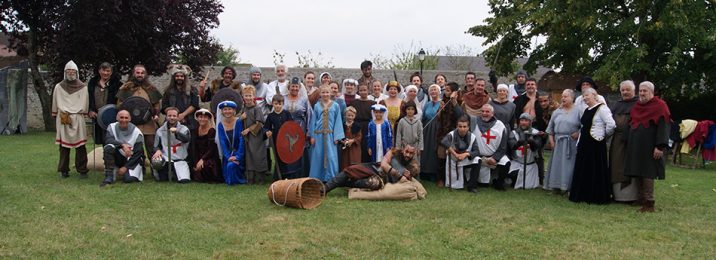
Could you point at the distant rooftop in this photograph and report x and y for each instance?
(477, 63)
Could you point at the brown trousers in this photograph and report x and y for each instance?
(646, 188)
(80, 159)
(149, 146)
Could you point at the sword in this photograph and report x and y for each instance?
(436, 114)
(94, 144)
(449, 173)
(524, 155)
(273, 152)
(169, 151)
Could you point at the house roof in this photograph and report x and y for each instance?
(559, 81)
(477, 64)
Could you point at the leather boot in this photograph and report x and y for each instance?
(340, 180)
(108, 176)
(109, 165)
(648, 206)
(640, 201)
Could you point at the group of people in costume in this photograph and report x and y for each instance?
(365, 133)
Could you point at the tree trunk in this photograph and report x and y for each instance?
(38, 82)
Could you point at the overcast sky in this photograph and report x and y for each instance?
(346, 31)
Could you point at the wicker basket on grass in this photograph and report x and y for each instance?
(302, 193)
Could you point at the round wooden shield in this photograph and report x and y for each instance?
(139, 108)
(290, 142)
(225, 94)
(106, 115)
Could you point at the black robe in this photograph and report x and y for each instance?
(112, 86)
(640, 150)
(591, 181)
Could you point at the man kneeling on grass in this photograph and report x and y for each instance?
(175, 136)
(398, 165)
(124, 149)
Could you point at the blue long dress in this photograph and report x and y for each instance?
(232, 144)
(325, 127)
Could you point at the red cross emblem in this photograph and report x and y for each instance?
(487, 136)
(174, 147)
(522, 149)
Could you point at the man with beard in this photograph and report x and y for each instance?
(70, 103)
(517, 89)
(102, 89)
(262, 90)
(398, 165)
(123, 149)
(528, 103)
(281, 84)
(524, 144)
(228, 74)
(139, 86)
(548, 107)
(367, 68)
(648, 136)
(181, 95)
(417, 80)
(175, 136)
(473, 100)
(492, 141)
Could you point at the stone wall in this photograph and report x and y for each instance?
(34, 110)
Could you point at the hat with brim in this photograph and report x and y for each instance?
(585, 79)
(203, 112)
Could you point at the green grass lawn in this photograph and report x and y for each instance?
(44, 216)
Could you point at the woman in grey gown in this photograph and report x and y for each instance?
(563, 130)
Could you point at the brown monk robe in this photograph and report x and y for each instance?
(351, 154)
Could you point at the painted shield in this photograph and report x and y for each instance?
(139, 108)
(106, 115)
(225, 94)
(290, 142)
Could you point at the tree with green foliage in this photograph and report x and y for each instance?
(671, 43)
(227, 56)
(405, 58)
(122, 32)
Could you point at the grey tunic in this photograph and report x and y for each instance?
(505, 112)
(255, 146)
(409, 132)
(461, 144)
(561, 165)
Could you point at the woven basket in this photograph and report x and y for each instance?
(302, 193)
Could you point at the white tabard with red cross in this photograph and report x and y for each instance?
(488, 142)
(530, 181)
